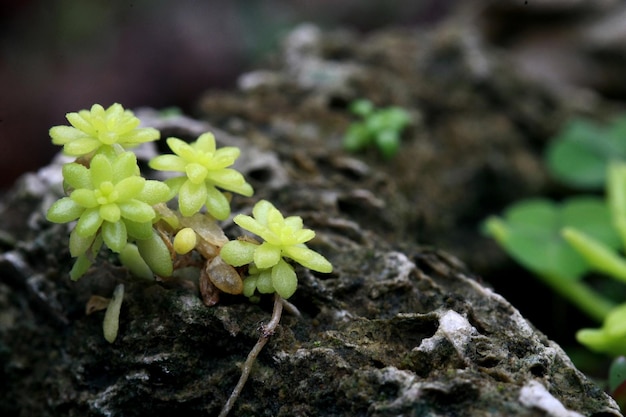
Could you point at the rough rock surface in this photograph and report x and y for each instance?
(396, 329)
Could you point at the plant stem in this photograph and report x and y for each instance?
(266, 332)
(585, 298)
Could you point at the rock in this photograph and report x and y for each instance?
(398, 328)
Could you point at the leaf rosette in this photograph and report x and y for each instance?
(283, 238)
(205, 170)
(101, 131)
(108, 198)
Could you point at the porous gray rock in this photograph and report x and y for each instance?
(390, 332)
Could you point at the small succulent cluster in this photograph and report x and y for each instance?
(283, 237)
(107, 194)
(114, 205)
(380, 127)
(204, 168)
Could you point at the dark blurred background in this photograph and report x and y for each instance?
(58, 56)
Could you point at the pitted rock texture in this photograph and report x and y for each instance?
(396, 329)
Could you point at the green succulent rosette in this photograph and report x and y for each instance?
(110, 201)
(205, 170)
(283, 238)
(100, 130)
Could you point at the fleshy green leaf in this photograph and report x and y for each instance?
(156, 254)
(191, 197)
(284, 279)
(249, 285)
(308, 258)
(79, 245)
(141, 135)
(84, 198)
(226, 178)
(111, 322)
(250, 224)
(89, 222)
(110, 212)
(196, 173)
(80, 267)
(266, 255)
(137, 211)
(114, 235)
(217, 205)
(101, 170)
(264, 282)
(124, 166)
(168, 163)
(206, 143)
(175, 184)
(62, 135)
(388, 142)
(77, 176)
(154, 192)
(79, 122)
(81, 146)
(598, 256)
(238, 252)
(617, 374)
(131, 259)
(181, 148)
(138, 230)
(260, 211)
(64, 210)
(294, 222)
(225, 157)
(129, 188)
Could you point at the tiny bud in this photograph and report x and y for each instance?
(185, 240)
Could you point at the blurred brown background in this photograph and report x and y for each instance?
(58, 56)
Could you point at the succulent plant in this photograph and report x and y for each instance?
(205, 169)
(283, 238)
(109, 199)
(101, 131)
(380, 127)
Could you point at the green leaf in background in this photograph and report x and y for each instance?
(579, 155)
(532, 233)
(611, 337)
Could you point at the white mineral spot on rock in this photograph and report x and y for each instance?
(535, 395)
(453, 327)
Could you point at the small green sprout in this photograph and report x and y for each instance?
(111, 322)
(205, 168)
(284, 238)
(101, 131)
(380, 127)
